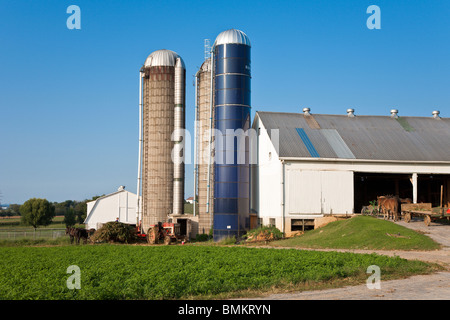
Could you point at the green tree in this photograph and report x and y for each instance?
(37, 212)
(61, 208)
(80, 211)
(15, 209)
(70, 218)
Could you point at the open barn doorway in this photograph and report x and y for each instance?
(429, 189)
(367, 186)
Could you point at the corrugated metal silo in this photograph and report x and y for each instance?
(163, 115)
(204, 169)
(232, 78)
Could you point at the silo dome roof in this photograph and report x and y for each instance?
(163, 58)
(206, 65)
(232, 36)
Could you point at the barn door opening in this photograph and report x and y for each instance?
(367, 186)
(429, 189)
(370, 185)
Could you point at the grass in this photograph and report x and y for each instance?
(361, 232)
(183, 272)
(35, 242)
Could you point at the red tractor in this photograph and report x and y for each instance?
(166, 232)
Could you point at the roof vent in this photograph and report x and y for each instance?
(121, 188)
(394, 113)
(351, 112)
(306, 111)
(436, 114)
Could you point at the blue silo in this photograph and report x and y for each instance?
(232, 92)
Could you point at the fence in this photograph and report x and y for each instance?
(15, 234)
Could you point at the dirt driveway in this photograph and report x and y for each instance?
(423, 287)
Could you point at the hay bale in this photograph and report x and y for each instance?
(115, 232)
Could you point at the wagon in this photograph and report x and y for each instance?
(424, 210)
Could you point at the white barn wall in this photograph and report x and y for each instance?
(121, 204)
(266, 179)
(314, 192)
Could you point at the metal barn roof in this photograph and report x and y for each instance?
(360, 137)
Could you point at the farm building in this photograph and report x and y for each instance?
(119, 205)
(190, 200)
(309, 166)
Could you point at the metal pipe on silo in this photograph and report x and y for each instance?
(179, 125)
(138, 204)
(210, 129)
(211, 126)
(195, 142)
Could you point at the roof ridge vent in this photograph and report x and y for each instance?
(394, 113)
(351, 112)
(435, 114)
(306, 111)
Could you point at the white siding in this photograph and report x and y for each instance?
(120, 205)
(310, 192)
(266, 178)
(303, 192)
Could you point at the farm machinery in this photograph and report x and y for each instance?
(166, 233)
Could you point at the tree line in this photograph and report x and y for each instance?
(40, 212)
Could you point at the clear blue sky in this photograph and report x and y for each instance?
(69, 98)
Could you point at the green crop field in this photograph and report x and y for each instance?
(181, 272)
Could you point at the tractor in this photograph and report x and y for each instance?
(166, 232)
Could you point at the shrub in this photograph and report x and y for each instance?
(264, 233)
(228, 240)
(115, 232)
(202, 237)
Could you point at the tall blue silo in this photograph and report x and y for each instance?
(232, 91)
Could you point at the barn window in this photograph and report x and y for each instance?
(302, 224)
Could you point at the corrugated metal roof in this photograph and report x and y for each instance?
(312, 151)
(232, 36)
(363, 137)
(337, 143)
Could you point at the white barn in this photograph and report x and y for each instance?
(310, 166)
(119, 205)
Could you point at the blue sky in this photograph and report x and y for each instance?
(69, 98)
